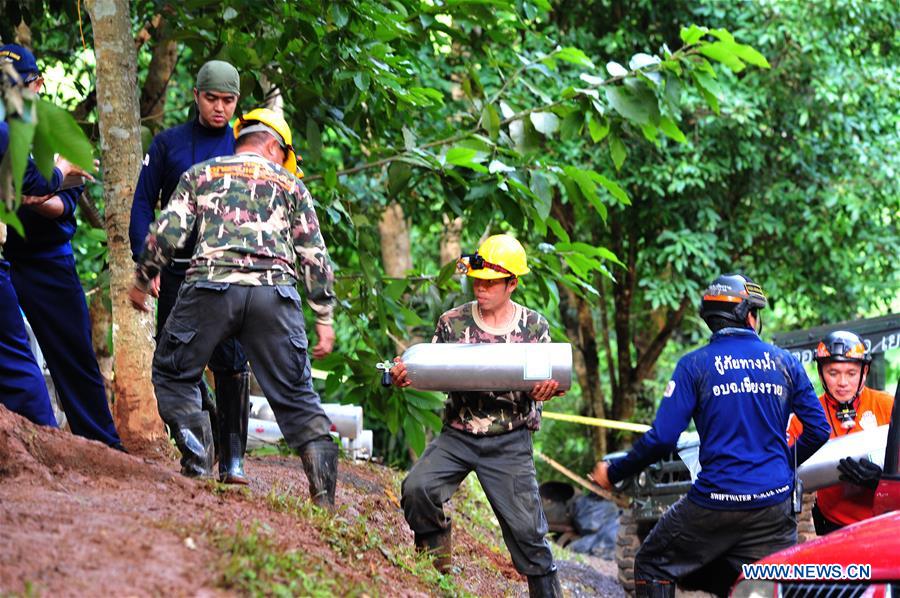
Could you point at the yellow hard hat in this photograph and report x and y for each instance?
(269, 121)
(500, 256)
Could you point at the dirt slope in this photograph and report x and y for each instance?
(77, 518)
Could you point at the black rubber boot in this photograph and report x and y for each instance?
(320, 462)
(544, 586)
(233, 403)
(646, 588)
(194, 437)
(440, 546)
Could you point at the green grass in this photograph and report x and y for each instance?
(254, 565)
(352, 539)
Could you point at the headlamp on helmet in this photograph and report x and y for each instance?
(500, 256)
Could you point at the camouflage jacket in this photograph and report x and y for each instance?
(491, 413)
(254, 221)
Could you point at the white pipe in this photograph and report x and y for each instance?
(346, 419)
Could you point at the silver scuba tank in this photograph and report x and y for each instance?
(820, 470)
(487, 366)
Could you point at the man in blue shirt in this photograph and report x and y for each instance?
(42, 272)
(740, 392)
(171, 153)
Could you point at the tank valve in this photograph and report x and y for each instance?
(385, 367)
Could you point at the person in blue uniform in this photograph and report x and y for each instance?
(171, 153)
(740, 392)
(46, 285)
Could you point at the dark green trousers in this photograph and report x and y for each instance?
(504, 465)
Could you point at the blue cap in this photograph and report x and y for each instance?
(22, 59)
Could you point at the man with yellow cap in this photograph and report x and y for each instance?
(171, 153)
(257, 236)
(487, 432)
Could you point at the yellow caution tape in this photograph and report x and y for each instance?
(596, 421)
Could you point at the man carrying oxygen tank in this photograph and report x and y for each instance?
(487, 432)
(850, 406)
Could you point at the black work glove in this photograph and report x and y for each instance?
(862, 473)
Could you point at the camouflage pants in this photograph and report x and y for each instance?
(268, 322)
(704, 548)
(504, 465)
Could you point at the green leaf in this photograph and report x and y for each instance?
(586, 181)
(668, 126)
(361, 80)
(723, 52)
(339, 14)
(571, 125)
(614, 189)
(447, 271)
(465, 157)
(20, 136)
(722, 34)
(11, 219)
(692, 34)
(423, 399)
(574, 56)
(415, 434)
(409, 139)
(558, 229)
(751, 56)
(64, 134)
(490, 120)
(426, 416)
(395, 289)
(545, 122)
(598, 127)
(617, 151)
(540, 186)
(634, 107)
(313, 140)
(399, 174)
(708, 95)
(330, 178)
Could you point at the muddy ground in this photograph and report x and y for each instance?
(77, 518)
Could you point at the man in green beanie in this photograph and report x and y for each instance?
(171, 153)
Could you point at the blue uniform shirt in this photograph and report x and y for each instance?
(171, 153)
(740, 392)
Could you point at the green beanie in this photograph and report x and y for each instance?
(218, 75)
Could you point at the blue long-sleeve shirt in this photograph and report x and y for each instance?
(740, 392)
(43, 236)
(171, 153)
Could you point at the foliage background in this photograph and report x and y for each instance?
(787, 173)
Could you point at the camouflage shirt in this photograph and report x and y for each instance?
(491, 413)
(254, 220)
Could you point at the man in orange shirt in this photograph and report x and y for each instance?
(850, 407)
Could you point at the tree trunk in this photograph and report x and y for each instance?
(395, 244)
(153, 94)
(134, 409)
(451, 243)
(579, 322)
